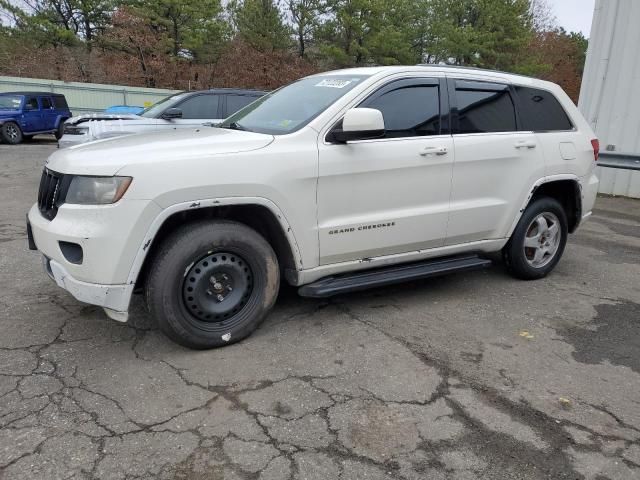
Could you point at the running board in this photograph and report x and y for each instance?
(329, 286)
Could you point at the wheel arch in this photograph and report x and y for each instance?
(260, 214)
(564, 188)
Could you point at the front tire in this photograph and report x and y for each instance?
(11, 133)
(212, 283)
(538, 241)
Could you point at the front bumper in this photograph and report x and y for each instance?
(110, 237)
(113, 298)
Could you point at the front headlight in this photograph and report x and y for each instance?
(96, 190)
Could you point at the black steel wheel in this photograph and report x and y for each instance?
(217, 287)
(212, 283)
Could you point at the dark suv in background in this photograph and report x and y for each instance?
(25, 114)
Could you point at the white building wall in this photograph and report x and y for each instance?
(610, 95)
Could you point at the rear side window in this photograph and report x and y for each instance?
(540, 111)
(484, 108)
(46, 103)
(409, 108)
(60, 103)
(236, 102)
(200, 107)
(31, 104)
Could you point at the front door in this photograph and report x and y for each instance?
(389, 195)
(33, 121)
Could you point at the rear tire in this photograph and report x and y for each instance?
(538, 241)
(60, 130)
(212, 283)
(11, 133)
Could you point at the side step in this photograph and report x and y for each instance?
(329, 286)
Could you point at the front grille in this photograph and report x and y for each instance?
(52, 192)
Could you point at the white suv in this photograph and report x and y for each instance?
(337, 182)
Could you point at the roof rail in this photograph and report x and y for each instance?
(446, 65)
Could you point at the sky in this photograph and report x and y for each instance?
(574, 15)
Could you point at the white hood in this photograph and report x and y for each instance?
(106, 157)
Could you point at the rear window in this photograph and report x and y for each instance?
(60, 103)
(540, 111)
(484, 108)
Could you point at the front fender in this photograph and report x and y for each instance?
(157, 223)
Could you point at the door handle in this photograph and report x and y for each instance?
(525, 144)
(433, 151)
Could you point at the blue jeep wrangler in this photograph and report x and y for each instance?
(25, 114)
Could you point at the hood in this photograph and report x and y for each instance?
(102, 116)
(107, 157)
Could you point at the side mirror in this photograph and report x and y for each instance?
(171, 113)
(359, 124)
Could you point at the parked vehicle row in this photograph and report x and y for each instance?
(182, 110)
(337, 182)
(24, 114)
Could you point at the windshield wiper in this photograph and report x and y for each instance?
(237, 126)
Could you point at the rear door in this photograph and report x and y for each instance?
(49, 114)
(495, 163)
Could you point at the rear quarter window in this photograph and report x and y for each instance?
(60, 103)
(540, 111)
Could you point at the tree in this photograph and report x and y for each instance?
(195, 28)
(261, 24)
(60, 22)
(483, 33)
(305, 16)
(360, 32)
(561, 57)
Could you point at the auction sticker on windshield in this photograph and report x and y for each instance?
(331, 83)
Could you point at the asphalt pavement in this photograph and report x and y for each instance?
(470, 376)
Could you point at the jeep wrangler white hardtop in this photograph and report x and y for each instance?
(334, 183)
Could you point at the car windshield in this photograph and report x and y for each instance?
(156, 109)
(293, 106)
(10, 102)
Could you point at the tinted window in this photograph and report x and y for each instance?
(60, 103)
(200, 106)
(481, 111)
(31, 104)
(46, 103)
(409, 111)
(236, 102)
(541, 111)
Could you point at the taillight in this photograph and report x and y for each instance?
(595, 143)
